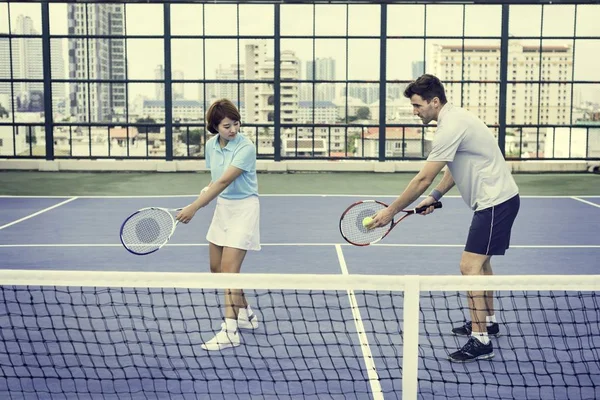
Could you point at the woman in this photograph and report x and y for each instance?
(234, 229)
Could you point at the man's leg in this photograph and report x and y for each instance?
(480, 305)
(479, 346)
(489, 294)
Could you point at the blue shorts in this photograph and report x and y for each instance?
(489, 233)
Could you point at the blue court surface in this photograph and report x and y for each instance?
(114, 343)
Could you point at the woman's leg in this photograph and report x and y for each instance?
(231, 262)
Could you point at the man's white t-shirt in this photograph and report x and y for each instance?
(474, 158)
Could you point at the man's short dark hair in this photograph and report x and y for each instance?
(427, 86)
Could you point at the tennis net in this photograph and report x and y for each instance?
(116, 335)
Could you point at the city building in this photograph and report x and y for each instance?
(97, 59)
(526, 102)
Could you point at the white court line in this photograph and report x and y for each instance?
(158, 196)
(362, 337)
(523, 246)
(38, 213)
(585, 201)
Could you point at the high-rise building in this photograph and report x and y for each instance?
(320, 69)
(27, 63)
(418, 69)
(526, 102)
(259, 97)
(228, 90)
(100, 58)
(159, 87)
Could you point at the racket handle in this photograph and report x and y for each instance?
(437, 204)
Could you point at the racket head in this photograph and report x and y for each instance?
(351, 223)
(147, 230)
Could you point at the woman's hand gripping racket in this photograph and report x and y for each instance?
(356, 233)
(148, 229)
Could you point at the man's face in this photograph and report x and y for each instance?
(426, 110)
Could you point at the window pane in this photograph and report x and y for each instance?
(363, 59)
(187, 19)
(330, 20)
(296, 19)
(187, 57)
(58, 19)
(221, 19)
(143, 56)
(364, 20)
(4, 18)
(144, 19)
(587, 20)
(26, 18)
(586, 62)
(444, 20)
(404, 59)
(559, 20)
(525, 20)
(412, 19)
(257, 19)
(483, 20)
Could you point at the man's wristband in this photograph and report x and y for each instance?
(436, 194)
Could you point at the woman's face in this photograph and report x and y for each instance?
(228, 128)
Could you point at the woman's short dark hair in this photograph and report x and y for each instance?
(427, 86)
(218, 111)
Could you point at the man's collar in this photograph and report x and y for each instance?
(447, 107)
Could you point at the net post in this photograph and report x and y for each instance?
(410, 355)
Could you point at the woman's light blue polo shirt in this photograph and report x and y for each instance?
(239, 152)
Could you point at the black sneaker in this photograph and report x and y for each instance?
(466, 329)
(473, 350)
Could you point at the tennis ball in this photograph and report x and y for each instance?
(367, 221)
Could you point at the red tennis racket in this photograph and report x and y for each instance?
(355, 233)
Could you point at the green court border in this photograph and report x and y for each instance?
(35, 183)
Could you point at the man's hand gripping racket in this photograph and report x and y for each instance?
(356, 233)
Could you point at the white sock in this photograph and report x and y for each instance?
(481, 336)
(490, 319)
(231, 324)
(249, 311)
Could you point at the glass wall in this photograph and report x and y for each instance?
(311, 80)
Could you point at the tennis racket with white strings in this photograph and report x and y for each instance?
(148, 229)
(355, 233)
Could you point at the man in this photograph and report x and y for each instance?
(467, 147)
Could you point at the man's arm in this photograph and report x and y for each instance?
(418, 185)
(444, 186)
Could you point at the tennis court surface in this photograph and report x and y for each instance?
(83, 318)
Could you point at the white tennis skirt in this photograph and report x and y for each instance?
(236, 223)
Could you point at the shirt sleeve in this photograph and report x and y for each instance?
(245, 158)
(446, 142)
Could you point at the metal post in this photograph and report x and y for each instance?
(277, 86)
(48, 117)
(503, 80)
(382, 80)
(168, 89)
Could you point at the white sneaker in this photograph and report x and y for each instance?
(246, 321)
(222, 340)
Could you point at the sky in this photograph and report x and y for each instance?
(362, 60)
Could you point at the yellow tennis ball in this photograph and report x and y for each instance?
(367, 221)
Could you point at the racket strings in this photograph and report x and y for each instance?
(352, 223)
(147, 230)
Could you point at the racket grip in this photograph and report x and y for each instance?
(437, 204)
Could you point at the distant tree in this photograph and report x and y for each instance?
(363, 113)
(147, 121)
(193, 136)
